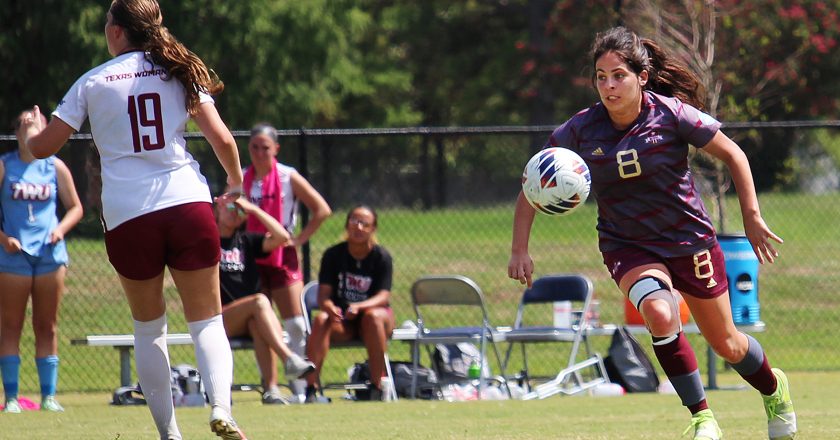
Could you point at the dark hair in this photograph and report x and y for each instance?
(264, 128)
(666, 75)
(142, 20)
(361, 206)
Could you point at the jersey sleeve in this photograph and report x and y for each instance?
(328, 274)
(204, 98)
(563, 136)
(694, 126)
(386, 273)
(73, 108)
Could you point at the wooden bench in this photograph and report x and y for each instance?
(125, 343)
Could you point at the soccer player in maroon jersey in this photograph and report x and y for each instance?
(653, 230)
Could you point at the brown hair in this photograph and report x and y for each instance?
(667, 75)
(142, 20)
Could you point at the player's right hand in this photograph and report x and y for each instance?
(521, 268)
(12, 245)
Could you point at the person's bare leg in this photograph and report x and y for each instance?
(377, 324)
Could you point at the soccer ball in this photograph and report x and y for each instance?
(556, 181)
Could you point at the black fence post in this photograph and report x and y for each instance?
(304, 212)
(440, 171)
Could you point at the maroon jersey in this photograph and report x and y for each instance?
(640, 176)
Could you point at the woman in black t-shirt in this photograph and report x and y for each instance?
(353, 294)
(245, 311)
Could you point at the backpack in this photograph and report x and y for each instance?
(427, 386)
(451, 361)
(187, 389)
(628, 365)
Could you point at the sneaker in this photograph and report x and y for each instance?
(222, 424)
(272, 397)
(48, 403)
(297, 367)
(12, 406)
(705, 426)
(781, 420)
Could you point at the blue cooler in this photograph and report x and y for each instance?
(742, 275)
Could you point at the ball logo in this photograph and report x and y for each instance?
(31, 191)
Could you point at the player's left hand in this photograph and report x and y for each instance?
(351, 313)
(759, 235)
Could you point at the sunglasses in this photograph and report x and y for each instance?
(233, 207)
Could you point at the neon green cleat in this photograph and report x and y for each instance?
(12, 406)
(781, 420)
(222, 424)
(705, 426)
(48, 403)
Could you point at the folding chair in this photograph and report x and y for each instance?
(578, 290)
(453, 290)
(309, 304)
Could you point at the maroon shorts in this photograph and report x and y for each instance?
(183, 237)
(278, 277)
(702, 275)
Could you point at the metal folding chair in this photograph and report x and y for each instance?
(453, 290)
(309, 304)
(578, 290)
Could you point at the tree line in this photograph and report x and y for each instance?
(391, 63)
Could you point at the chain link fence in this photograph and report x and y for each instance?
(445, 200)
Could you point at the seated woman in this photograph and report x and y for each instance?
(245, 311)
(353, 294)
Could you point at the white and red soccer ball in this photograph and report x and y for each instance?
(556, 181)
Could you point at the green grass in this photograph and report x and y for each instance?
(798, 295)
(648, 416)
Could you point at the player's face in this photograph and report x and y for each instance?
(619, 87)
(360, 226)
(229, 214)
(262, 148)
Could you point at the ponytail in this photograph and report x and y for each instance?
(142, 20)
(185, 66)
(669, 77)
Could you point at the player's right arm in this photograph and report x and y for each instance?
(10, 244)
(220, 138)
(520, 266)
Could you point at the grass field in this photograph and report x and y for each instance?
(798, 295)
(640, 416)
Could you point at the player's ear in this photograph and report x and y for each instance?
(643, 78)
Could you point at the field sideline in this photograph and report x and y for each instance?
(648, 416)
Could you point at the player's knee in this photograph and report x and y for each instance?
(729, 348)
(659, 316)
(374, 316)
(262, 302)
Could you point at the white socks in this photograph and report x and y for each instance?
(214, 359)
(296, 329)
(152, 359)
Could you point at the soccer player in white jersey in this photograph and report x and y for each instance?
(156, 204)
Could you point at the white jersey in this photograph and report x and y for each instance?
(137, 119)
(255, 194)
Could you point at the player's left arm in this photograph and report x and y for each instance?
(314, 201)
(222, 142)
(70, 199)
(45, 141)
(758, 233)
